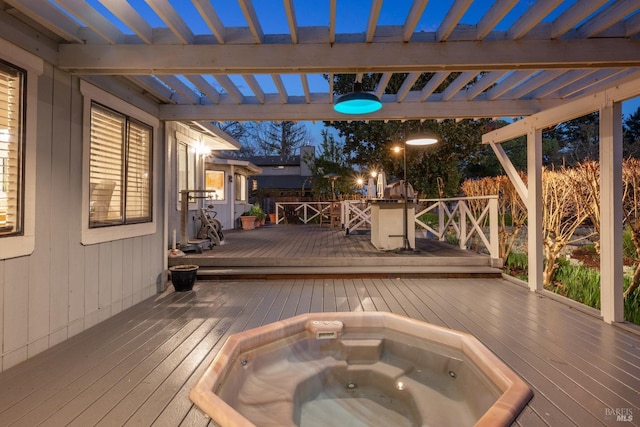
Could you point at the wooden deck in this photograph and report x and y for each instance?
(311, 251)
(137, 367)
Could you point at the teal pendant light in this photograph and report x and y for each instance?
(357, 102)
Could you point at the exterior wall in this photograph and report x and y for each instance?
(64, 287)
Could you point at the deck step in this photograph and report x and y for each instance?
(266, 272)
(349, 262)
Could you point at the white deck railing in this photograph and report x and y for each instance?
(304, 212)
(465, 219)
(472, 222)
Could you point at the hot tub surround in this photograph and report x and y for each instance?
(370, 365)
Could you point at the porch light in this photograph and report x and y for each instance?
(357, 102)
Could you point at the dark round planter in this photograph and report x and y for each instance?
(183, 277)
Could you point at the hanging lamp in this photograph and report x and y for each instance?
(357, 102)
(422, 139)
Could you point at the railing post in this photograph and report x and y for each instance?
(304, 212)
(462, 208)
(494, 239)
(441, 211)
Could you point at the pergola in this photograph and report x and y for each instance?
(548, 60)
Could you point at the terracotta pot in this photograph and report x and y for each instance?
(272, 218)
(183, 277)
(248, 222)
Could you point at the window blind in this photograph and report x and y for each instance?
(106, 166)
(138, 173)
(11, 143)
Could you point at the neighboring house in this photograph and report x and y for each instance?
(284, 176)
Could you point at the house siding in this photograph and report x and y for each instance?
(64, 287)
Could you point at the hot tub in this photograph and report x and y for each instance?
(358, 369)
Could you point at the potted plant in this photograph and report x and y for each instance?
(248, 221)
(183, 276)
(259, 215)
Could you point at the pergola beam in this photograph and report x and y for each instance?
(321, 108)
(566, 111)
(349, 58)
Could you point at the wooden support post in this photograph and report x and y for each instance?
(494, 238)
(534, 208)
(611, 266)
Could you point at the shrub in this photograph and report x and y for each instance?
(516, 265)
(518, 260)
(430, 218)
(577, 283)
(628, 248)
(632, 306)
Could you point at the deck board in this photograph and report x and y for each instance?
(137, 368)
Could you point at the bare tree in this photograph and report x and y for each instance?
(562, 214)
(279, 138)
(585, 180)
(631, 203)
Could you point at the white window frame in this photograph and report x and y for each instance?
(21, 245)
(191, 144)
(222, 198)
(91, 236)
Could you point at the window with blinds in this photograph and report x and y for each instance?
(241, 187)
(12, 81)
(119, 169)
